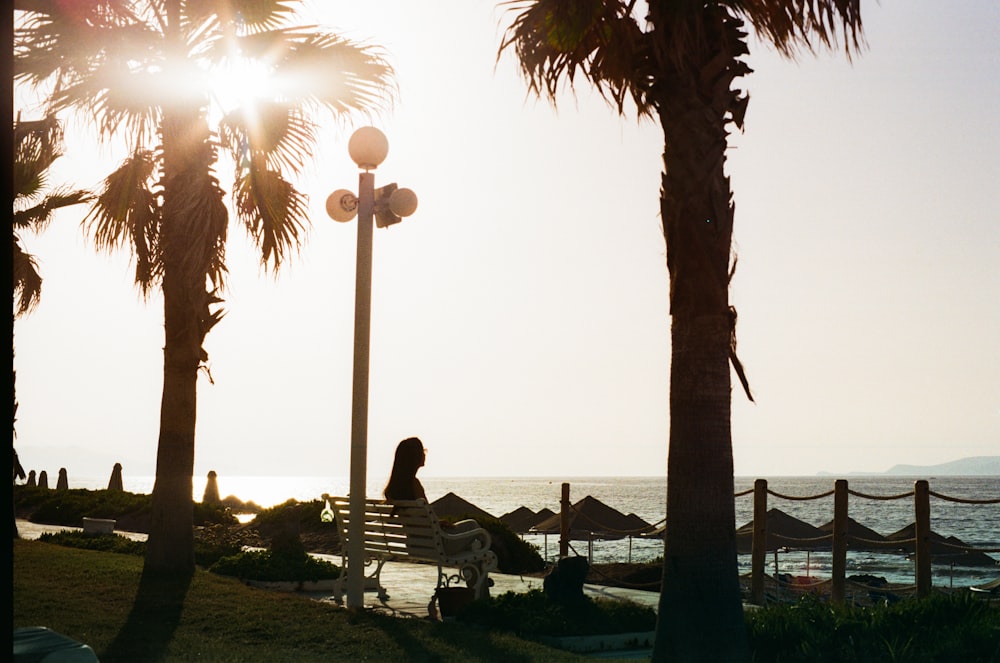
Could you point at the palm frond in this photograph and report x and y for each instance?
(63, 39)
(103, 59)
(37, 217)
(27, 280)
(126, 213)
(246, 15)
(274, 213)
(37, 144)
(116, 98)
(276, 132)
(792, 25)
(324, 70)
(556, 40)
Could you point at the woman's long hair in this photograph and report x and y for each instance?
(403, 483)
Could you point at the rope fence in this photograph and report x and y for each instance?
(961, 500)
(883, 498)
(839, 539)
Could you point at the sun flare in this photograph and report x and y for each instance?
(241, 83)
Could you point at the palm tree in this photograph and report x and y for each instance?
(679, 66)
(37, 144)
(143, 69)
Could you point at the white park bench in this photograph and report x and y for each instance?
(410, 530)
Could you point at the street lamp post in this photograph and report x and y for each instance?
(368, 147)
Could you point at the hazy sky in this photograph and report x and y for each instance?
(520, 319)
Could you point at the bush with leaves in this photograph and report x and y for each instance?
(304, 515)
(940, 627)
(103, 542)
(70, 507)
(514, 554)
(217, 540)
(275, 566)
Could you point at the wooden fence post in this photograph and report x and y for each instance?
(564, 522)
(922, 534)
(839, 540)
(758, 549)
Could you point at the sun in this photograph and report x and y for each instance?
(240, 82)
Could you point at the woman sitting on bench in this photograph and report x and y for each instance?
(404, 485)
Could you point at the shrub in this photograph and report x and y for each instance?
(103, 542)
(270, 565)
(215, 541)
(305, 516)
(533, 613)
(937, 628)
(69, 507)
(213, 514)
(514, 554)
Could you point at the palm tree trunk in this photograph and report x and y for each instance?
(189, 240)
(170, 548)
(700, 612)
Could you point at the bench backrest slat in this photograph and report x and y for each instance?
(407, 528)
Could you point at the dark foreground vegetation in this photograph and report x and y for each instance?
(89, 588)
(958, 628)
(99, 598)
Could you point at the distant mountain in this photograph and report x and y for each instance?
(974, 466)
(981, 466)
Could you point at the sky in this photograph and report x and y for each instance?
(519, 317)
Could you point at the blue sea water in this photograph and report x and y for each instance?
(977, 525)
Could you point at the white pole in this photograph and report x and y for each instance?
(359, 409)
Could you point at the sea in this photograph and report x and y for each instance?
(977, 525)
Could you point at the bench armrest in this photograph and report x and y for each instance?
(465, 536)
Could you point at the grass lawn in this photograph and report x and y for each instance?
(95, 597)
(99, 598)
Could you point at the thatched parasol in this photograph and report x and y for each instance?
(451, 505)
(944, 550)
(591, 518)
(522, 519)
(859, 537)
(780, 528)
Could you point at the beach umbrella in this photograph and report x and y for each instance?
(859, 537)
(519, 520)
(591, 518)
(944, 550)
(451, 505)
(62, 483)
(782, 530)
(522, 519)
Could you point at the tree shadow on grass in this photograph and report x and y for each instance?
(459, 636)
(152, 622)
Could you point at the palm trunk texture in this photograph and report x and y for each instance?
(700, 612)
(190, 208)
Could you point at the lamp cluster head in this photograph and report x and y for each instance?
(368, 148)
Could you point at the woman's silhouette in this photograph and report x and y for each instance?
(403, 482)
